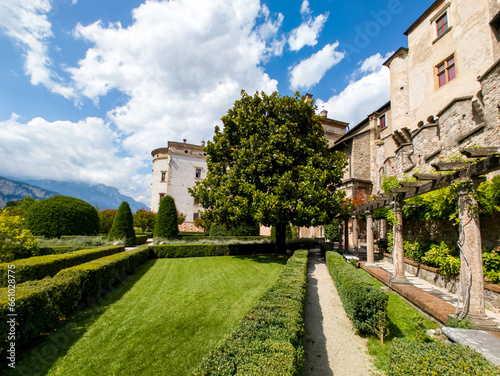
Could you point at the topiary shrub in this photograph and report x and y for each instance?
(166, 220)
(106, 218)
(15, 241)
(62, 215)
(123, 226)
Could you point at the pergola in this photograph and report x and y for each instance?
(468, 175)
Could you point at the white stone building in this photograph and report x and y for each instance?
(176, 168)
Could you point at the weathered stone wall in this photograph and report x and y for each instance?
(425, 142)
(361, 157)
(490, 83)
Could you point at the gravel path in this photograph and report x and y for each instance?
(331, 346)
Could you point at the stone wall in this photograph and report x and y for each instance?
(361, 157)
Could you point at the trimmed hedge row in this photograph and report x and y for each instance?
(41, 304)
(269, 339)
(47, 266)
(141, 239)
(204, 250)
(408, 358)
(364, 303)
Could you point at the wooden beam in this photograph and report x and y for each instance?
(413, 183)
(450, 166)
(427, 176)
(482, 167)
(480, 152)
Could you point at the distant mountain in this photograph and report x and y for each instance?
(100, 195)
(11, 190)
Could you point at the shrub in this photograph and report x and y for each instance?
(408, 358)
(364, 303)
(414, 251)
(41, 304)
(123, 226)
(441, 257)
(106, 218)
(15, 241)
(166, 220)
(269, 338)
(491, 266)
(204, 250)
(141, 239)
(145, 220)
(332, 230)
(291, 233)
(62, 215)
(46, 266)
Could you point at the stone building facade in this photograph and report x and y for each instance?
(175, 169)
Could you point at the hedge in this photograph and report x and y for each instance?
(141, 239)
(409, 358)
(41, 304)
(364, 303)
(47, 266)
(204, 250)
(269, 339)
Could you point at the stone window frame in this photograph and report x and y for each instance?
(163, 177)
(198, 173)
(439, 16)
(382, 123)
(444, 69)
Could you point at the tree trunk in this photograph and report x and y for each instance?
(281, 238)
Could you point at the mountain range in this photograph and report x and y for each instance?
(100, 195)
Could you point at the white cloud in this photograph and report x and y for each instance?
(311, 70)
(304, 7)
(362, 96)
(85, 151)
(307, 33)
(26, 23)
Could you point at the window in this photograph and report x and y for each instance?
(163, 176)
(196, 216)
(161, 196)
(195, 201)
(198, 173)
(446, 71)
(381, 122)
(442, 24)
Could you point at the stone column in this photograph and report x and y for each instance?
(355, 240)
(346, 235)
(398, 246)
(470, 243)
(341, 233)
(370, 255)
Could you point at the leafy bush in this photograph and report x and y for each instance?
(291, 232)
(15, 241)
(62, 215)
(409, 358)
(166, 220)
(145, 220)
(332, 230)
(106, 218)
(269, 339)
(491, 266)
(204, 250)
(441, 256)
(364, 303)
(414, 251)
(46, 266)
(123, 226)
(41, 304)
(141, 239)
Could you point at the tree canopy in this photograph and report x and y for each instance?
(271, 163)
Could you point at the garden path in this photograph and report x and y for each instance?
(331, 346)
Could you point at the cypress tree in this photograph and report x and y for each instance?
(123, 225)
(166, 220)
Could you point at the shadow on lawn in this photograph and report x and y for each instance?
(39, 358)
(272, 258)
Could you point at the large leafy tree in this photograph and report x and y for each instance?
(271, 163)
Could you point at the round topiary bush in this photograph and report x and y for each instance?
(166, 220)
(123, 226)
(62, 215)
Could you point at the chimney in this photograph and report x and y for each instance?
(309, 98)
(202, 143)
(324, 113)
(185, 140)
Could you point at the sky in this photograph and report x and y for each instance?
(88, 88)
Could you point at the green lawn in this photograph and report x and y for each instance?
(162, 321)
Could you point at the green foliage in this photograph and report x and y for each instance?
(166, 220)
(491, 265)
(145, 220)
(291, 233)
(41, 304)
(269, 339)
(389, 183)
(464, 324)
(332, 230)
(15, 241)
(381, 213)
(19, 207)
(123, 226)
(365, 304)
(205, 250)
(62, 215)
(141, 239)
(442, 257)
(414, 251)
(47, 266)
(409, 358)
(243, 229)
(271, 163)
(106, 218)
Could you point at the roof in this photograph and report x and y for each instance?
(429, 10)
(388, 61)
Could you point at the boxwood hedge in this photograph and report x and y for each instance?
(269, 339)
(408, 358)
(203, 250)
(47, 266)
(40, 304)
(364, 303)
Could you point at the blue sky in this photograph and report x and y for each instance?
(89, 87)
